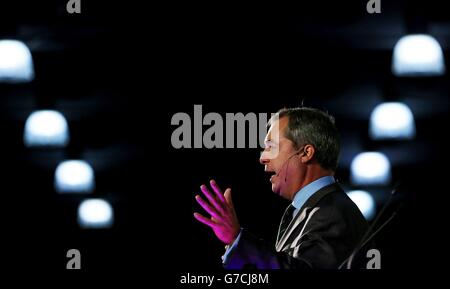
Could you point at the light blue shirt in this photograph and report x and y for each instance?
(307, 191)
(300, 199)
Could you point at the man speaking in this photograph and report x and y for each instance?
(321, 226)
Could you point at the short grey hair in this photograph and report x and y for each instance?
(315, 127)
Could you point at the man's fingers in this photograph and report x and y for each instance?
(218, 191)
(206, 206)
(204, 220)
(228, 198)
(211, 198)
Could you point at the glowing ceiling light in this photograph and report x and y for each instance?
(16, 63)
(365, 203)
(392, 120)
(46, 128)
(370, 168)
(74, 176)
(95, 214)
(418, 55)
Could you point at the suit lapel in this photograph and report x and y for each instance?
(305, 212)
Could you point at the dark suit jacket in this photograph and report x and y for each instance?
(321, 236)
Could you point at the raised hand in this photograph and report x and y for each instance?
(223, 220)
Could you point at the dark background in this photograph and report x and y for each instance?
(118, 72)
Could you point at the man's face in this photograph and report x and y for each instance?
(281, 161)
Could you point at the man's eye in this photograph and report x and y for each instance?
(270, 148)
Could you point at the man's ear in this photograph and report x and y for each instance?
(308, 153)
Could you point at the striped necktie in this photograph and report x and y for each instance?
(286, 220)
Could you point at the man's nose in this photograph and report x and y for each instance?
(263, 159)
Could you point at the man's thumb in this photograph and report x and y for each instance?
(227, 196)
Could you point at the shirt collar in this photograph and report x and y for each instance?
(307, 191)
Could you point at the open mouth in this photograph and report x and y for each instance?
(271, 175)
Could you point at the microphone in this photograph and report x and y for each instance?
(366, 238)
(286, 162)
